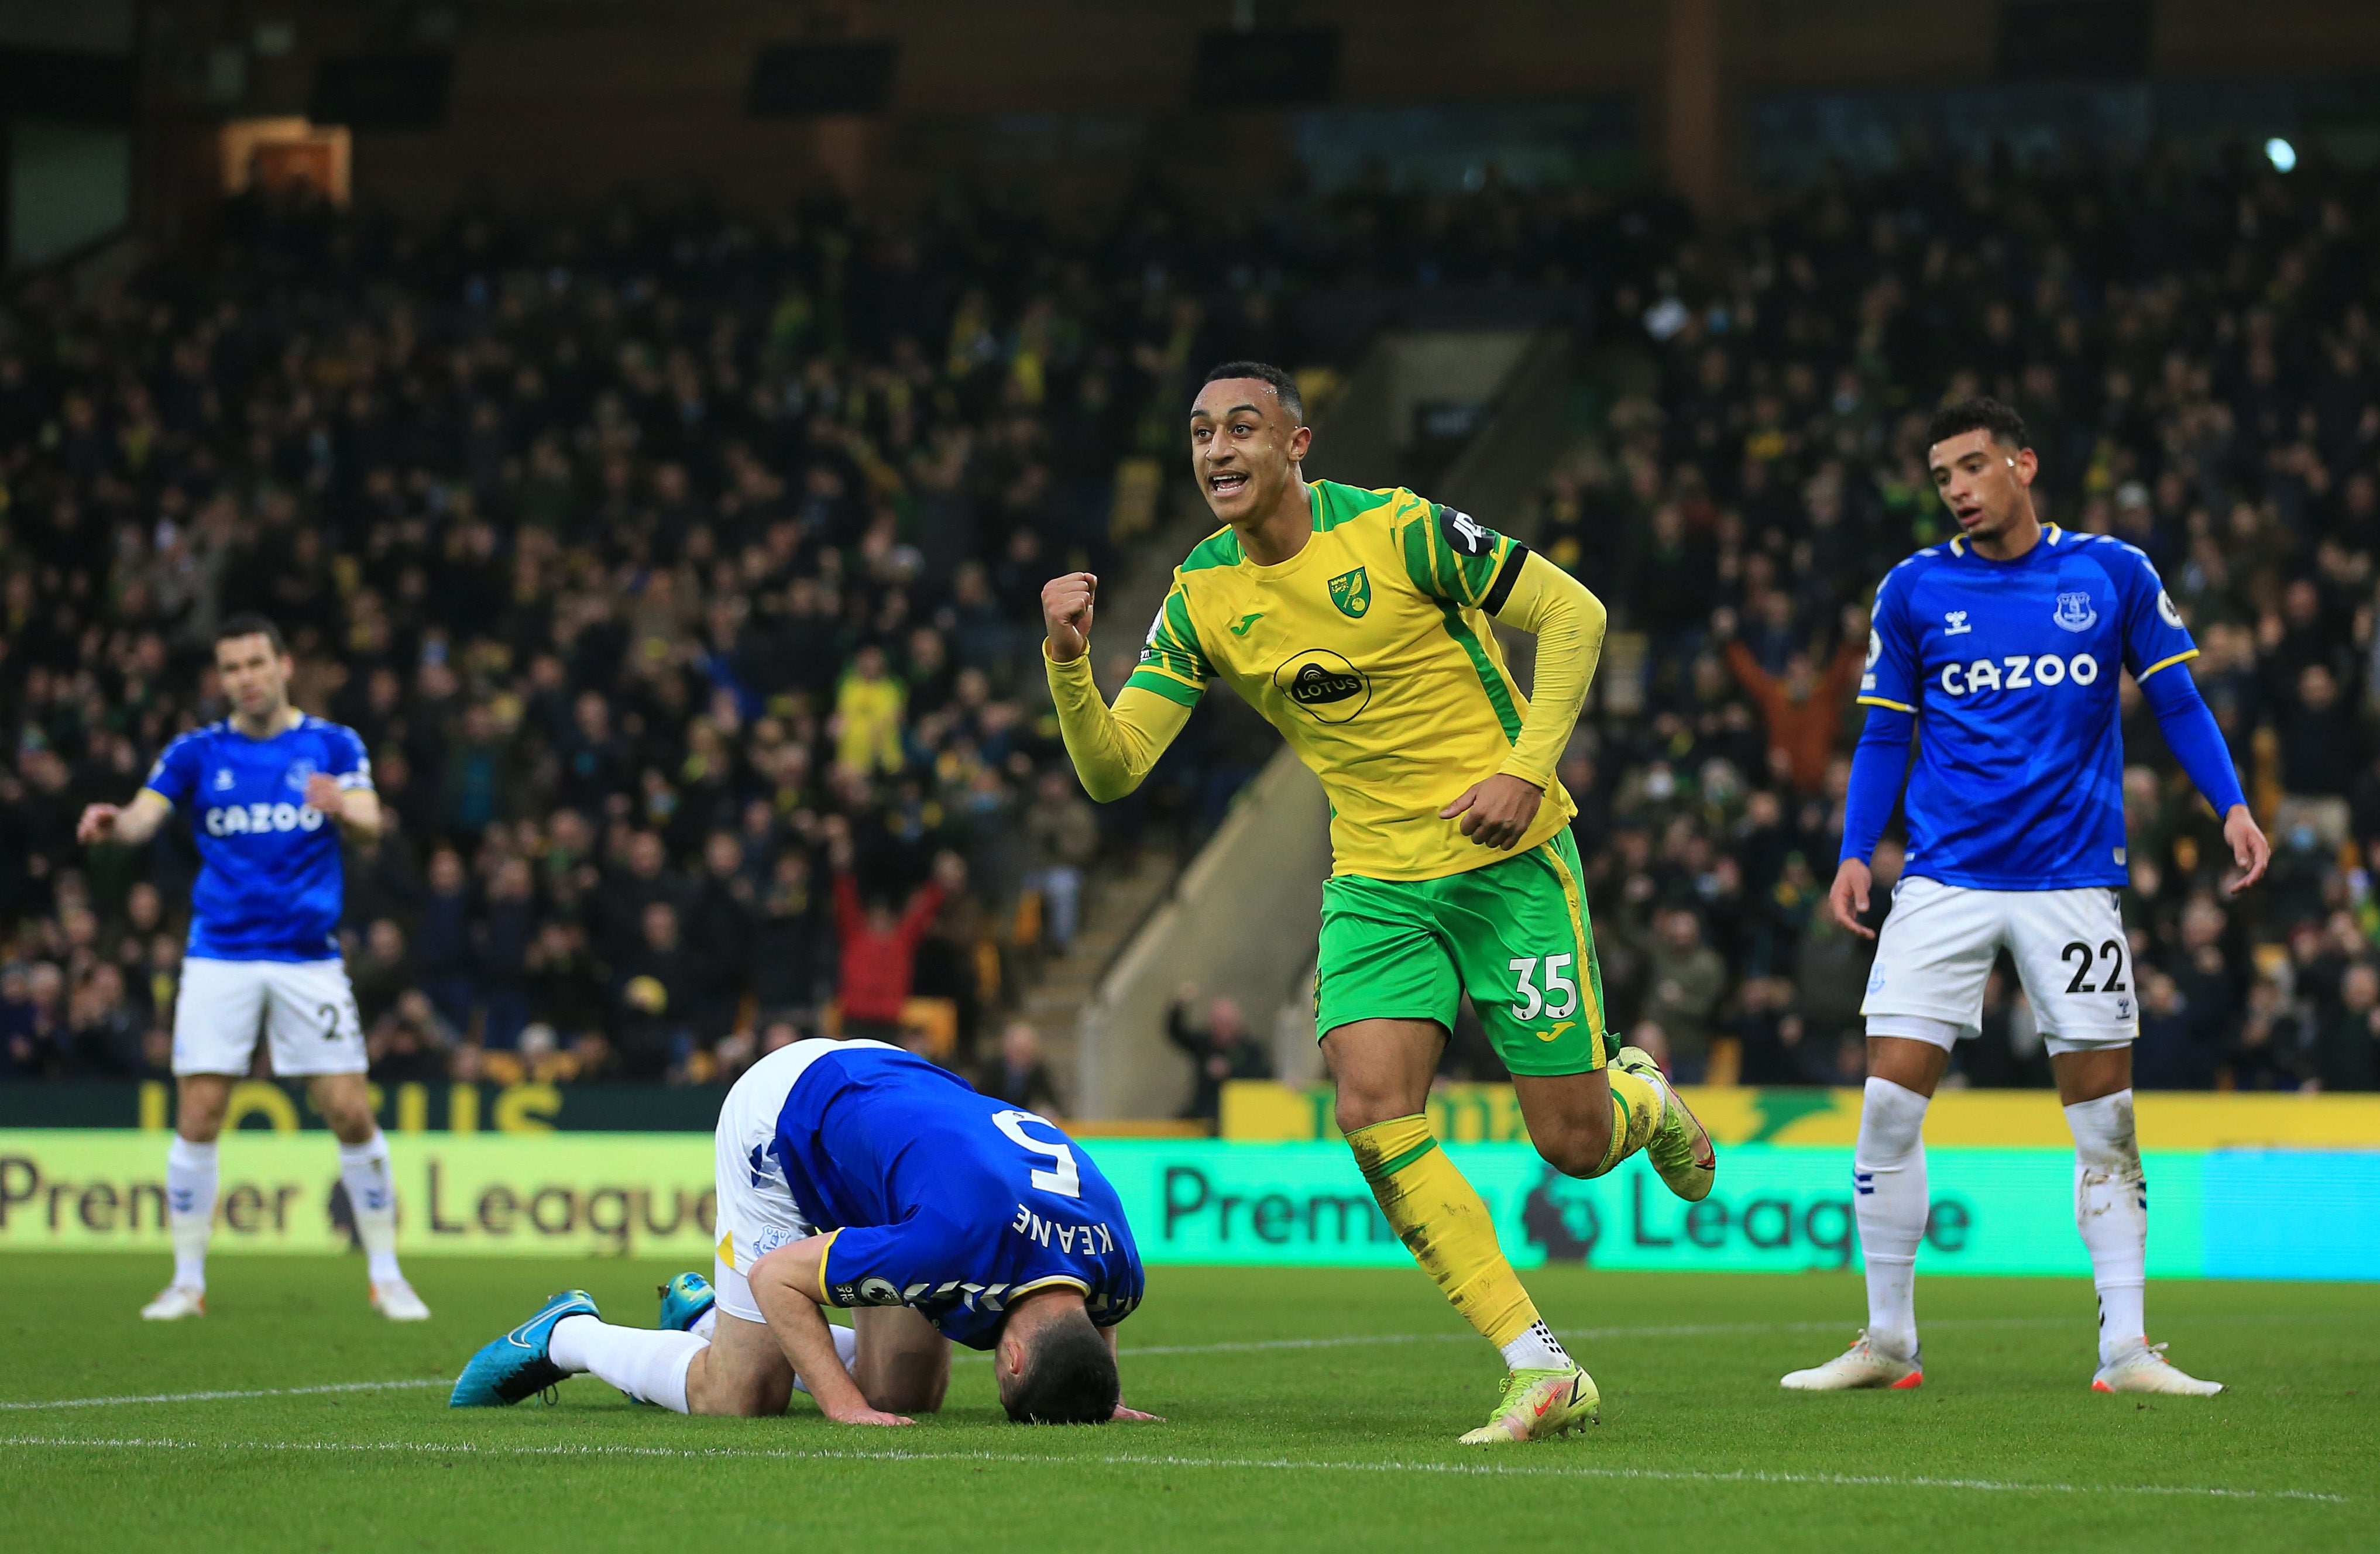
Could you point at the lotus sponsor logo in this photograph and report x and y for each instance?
(1325, 683)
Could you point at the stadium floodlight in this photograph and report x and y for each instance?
(2280, 153)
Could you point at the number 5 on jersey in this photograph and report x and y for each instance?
(1067, 1179)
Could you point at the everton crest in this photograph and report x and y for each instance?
(2074, 612)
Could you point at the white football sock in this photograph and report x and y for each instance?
(1888, 1182)
(846, 1349)
(191, 1177)
(706, 1324)
(1536, 1349)
(372, 1196)
(648, 1364)
(2111, 1209)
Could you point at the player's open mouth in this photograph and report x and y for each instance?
(1225, 485)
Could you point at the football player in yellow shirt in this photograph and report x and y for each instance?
(1358, 622)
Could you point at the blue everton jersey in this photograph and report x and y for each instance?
(272, 882)
(2011, 667)
(944, 1201)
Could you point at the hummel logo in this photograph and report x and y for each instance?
(1245, 621)
(1955, 623)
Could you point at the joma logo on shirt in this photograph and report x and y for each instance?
(1324, 684)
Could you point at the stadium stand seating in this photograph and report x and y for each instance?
(658, 556)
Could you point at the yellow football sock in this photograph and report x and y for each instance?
(1635, 1112)
(1443, 1224)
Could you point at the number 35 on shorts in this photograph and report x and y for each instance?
(1556, 998)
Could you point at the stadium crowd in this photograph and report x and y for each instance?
(681, 576)
(2195, 352)
(682, 573)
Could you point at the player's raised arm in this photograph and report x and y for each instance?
(130, 824)
(1114, 747)
(1534, 594)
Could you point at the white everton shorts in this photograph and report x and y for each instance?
(1940, 941)
(305, 1008)
(756, 1211)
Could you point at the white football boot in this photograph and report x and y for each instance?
(174, 1303)
(1863, 1365)
(394, 1299)
(2145, 1369)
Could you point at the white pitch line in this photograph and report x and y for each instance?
(213, 1397)
(1121, 1459)
(1705, 1329)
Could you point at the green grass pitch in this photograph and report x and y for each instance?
(1309, 1408)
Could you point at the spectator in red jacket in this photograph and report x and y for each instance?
(1803, 706)
(880, 949)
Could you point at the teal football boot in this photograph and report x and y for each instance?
(684, 1301)
(517, 1366)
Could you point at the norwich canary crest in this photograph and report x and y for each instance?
(1351, 591)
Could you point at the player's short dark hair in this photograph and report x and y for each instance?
(1982, 413)
(1070, 1376)
(250, 623)
(1282, 384)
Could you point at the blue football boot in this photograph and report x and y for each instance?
(517, 1366)
(685, 1300)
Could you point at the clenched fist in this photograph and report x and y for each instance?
(1066, 610)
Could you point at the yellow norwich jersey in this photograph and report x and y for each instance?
(1371, 650)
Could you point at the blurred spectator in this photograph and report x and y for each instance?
(654, 990)
(1019, 1076)
(108, 1033)
(784, 935)
(1686, 981)
(880, 946)
(442, 942)
(1063, 833)
(381, 972)
(2344, 1056)
(501, 944)
(410, 1044)
(1218, 1049)
(1803, 708)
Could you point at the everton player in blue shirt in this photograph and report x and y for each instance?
(268, 793)
(2003, 650)
(855, 1175)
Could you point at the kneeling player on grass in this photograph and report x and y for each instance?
(1359, 624)
(855, 1174)
(2003, 649)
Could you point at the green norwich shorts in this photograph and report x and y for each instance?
(1513, 935)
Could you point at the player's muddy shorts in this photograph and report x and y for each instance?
(1513, 935)
(756, 1211)
(1938, 945)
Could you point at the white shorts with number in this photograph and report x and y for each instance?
(756, 1211)
(305, 1008)
(1940, 941)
